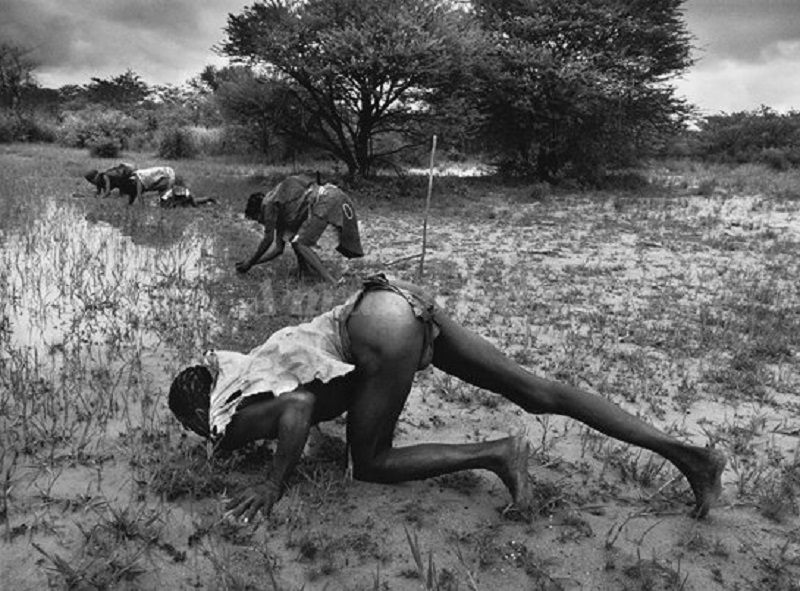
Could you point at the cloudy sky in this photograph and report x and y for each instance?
(748, 54)
(748, 50)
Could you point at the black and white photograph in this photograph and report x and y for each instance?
(387, 295)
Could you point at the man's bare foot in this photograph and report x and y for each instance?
(705, 478)
(515, 472)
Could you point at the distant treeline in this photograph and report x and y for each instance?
(553, 89)
(762, 135)
(179, 127)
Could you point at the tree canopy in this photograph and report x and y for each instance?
(245, 98)
(356, 70)
(581, 83)
(16, 74)
(124, 91)
(558, 85)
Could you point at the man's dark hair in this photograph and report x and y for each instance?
(253, 209)
(190, 398)
(92, 176)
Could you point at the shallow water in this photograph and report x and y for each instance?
(80, 297)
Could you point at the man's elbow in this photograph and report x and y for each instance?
(299, 405)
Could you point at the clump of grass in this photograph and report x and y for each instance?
(777, 567)
(417, 512)
(778, 495)
(105, 148)
(8, 468)
(226, 571)
(190, 475)
(320, 484)
(518, 554)
(637, 466)
(112, 550)
(329, 553)
(577, 528)
(455, 391)
(655, 574)
(707, 187)
(546, 499)
(432, 577)
(483, 542)
(540, 191)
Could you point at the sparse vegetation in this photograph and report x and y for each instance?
(680, 304)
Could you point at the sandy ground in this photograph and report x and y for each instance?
(678, 307)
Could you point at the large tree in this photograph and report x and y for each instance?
(16, 74)
(579, 85)
(356, 70)
(124, 92)
(245, 98)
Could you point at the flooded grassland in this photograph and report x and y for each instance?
(682, 305)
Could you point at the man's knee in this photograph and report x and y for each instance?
(370, 469)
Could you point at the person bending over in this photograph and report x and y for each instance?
(360, 359)
(157, 178)
(181, 196)
(110, 179)
(297, 211)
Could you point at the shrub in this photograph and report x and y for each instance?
(177, 143)
(16, 127)
(32, 129)
(208, 140)
(236, 139)
(7, 129)
(707, 187)
(540, 191)
(776, 159)
(94, 126)
(625, 181)
(104, 148)
(750, 136)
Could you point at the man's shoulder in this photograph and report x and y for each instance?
(291, 190)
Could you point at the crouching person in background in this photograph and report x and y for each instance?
(181, 196)
(112, 178)
(157, 178)
(298, 211)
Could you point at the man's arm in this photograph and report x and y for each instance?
(268, 249)
(106, 189)
(287, 417)
(138, 192)
(271, 245)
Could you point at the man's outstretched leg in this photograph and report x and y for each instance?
(473, 359)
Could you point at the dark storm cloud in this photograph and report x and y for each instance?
(748, 55)
(742, 30)
(748, 50)
(164, 41)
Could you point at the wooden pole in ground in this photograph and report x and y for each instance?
(427, 210)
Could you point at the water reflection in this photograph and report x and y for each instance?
(72, 287)
(145, 225)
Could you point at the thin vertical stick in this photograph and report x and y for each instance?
(427, 210)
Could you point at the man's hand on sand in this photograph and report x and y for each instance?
(250, 501)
